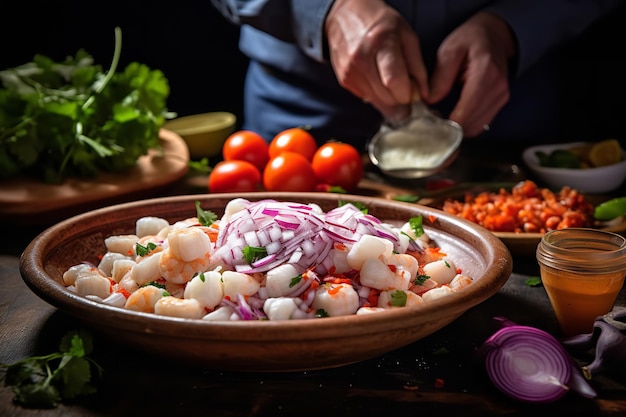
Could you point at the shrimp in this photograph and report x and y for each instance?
(336, 299)
(177, 271)
(188, 253)
(428, 255)
(145, 298)
(179, 307)
(127, 283)
(381, 276)
(460, 281)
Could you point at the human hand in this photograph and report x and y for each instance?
(476, 54)
(376, 55)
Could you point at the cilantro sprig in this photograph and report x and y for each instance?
(45, 381)
(72, 119)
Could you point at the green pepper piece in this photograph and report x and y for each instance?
(611, 209)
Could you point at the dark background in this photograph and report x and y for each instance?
(196, 48)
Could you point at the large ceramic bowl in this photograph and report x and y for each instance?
(263, 345)
(590, 180)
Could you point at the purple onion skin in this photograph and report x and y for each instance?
(609, 339)
(577, 382)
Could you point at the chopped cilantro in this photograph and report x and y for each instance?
(295, 280)
(533, 282)
(45, 381)
(398, 298)
(205, 217)
(320, 313)
(254, 253)
(154, 284)
(142, 250)
(73, 119)
(420, 279)
(416, 225)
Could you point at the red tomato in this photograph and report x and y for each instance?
(296, 140)
(289, 171)
(338, 164)
(246, 145)
(234, 176)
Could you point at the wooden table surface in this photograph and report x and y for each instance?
(405, 382)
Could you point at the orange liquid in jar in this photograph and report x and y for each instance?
(578, 299)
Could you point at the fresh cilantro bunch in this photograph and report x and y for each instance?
(44, 381)
(72, 119)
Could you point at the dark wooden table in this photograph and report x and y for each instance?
(439, 375)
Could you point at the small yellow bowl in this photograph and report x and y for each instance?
(205, 133)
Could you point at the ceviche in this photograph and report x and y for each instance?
(269, 260)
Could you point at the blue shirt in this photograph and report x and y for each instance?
(291, 83)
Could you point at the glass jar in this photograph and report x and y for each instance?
(583, 272)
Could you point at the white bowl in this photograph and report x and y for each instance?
(589, 180)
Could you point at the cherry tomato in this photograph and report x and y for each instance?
(289, 171)
(338, 164)
(295, 139)
(246, 145)
(234, 176)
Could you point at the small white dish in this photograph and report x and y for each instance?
(588, 180)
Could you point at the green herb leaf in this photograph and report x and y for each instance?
(253, 253)
(407, 198)
(416, 224)
(295, 280)
(533, 282)
(44, 381)
(420, 279)
(142, 250)
(205, 217)
(398, 298)
(73, 119)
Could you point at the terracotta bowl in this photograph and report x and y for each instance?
(274, 346)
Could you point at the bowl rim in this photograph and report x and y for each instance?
(498, 263)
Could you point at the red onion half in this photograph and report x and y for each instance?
(529, 364)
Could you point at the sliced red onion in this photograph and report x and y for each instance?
(294, 233)
(529, 364)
